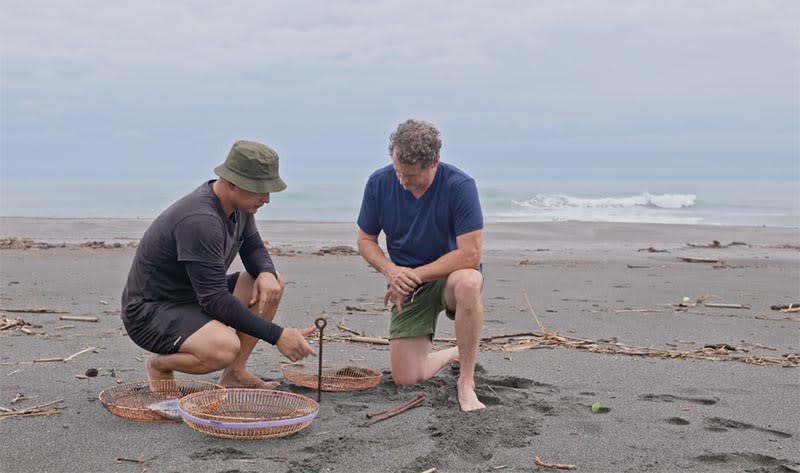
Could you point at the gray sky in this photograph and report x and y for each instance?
(588, 89)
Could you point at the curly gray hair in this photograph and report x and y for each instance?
(415, 141)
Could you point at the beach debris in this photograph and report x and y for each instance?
(793, 307)
(19, 397)
(339, 250)
(38, 310)
(40, 410)
(91, 372)
(354, 308)
(716, 244)
(431, 470)
(725, 306)
(78, 318)
(349, 330)
(499, 467)
(17, 323)
(26, 243)
(374, 418)
(530, 307)
(690, 259)
(644, 266)
(64, 360)
(651, 249)
(596, 407)
(527, 262)
(279, 251)
(559, 466)
(102, 245)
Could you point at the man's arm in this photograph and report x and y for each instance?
(401, 279)
(466, 255)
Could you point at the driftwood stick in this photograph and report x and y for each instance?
(372, 340)
(375, 418)
(541, 327)
(349, 330)
(78, 318)
(725, 306)
(698, 260)
(79, 353)
(559, 466)
(47, 360)
(40, 310)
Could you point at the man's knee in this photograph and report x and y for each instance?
(404, 378)
(220, 350)
(467, 284)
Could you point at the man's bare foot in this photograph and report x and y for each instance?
(467, 398)
(159, 380)
(243, 379)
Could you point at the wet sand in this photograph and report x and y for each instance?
(585, 281)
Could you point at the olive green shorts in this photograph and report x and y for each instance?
(420, 311)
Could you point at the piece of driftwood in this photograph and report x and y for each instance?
(78, 318)
(653, 250)
(37, 310)
(559, 466)
(794, 305)
(339, 250)
(690, 259)
(79, 353)
(40, 410)
(791, 310)
(349, 330)
(725, 306)
(541, 327)
(381, 416)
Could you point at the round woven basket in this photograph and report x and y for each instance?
(131, 401)
(247, 414)
(335, 378)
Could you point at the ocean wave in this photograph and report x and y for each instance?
(561, 201)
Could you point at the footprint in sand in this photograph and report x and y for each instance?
(718, 424)
(670, 398)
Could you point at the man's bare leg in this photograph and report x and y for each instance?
(412, 360)
(463, 292)
(236, 374)
(209, 349)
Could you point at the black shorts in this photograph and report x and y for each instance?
(162, 327)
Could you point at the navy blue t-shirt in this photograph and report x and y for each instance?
(419, 231)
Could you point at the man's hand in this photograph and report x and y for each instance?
(293, 344)
(402, 280)
(267, 290)
(397, 299)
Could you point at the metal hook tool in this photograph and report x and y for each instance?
(320, 323)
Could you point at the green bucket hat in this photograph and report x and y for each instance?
(253, 167)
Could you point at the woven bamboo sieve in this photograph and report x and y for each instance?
(247, 414)
(335, 378)
(130, 401)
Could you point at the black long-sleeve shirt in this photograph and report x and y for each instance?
(184, 256)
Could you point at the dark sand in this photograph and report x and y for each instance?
(657, 414)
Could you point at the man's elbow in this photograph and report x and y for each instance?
(472, 259)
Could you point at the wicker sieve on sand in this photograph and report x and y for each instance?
(247, 414)
(334, 378)
(130, 401)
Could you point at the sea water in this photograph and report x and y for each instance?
(715, 202)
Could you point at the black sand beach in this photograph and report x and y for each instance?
(697, 388)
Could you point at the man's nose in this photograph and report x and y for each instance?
(265, 198)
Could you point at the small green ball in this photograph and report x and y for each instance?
(596, 407)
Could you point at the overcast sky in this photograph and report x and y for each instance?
(528, 89)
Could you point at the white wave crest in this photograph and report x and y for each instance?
(560, 201)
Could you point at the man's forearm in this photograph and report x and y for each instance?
(374, 255)
(447, 263)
